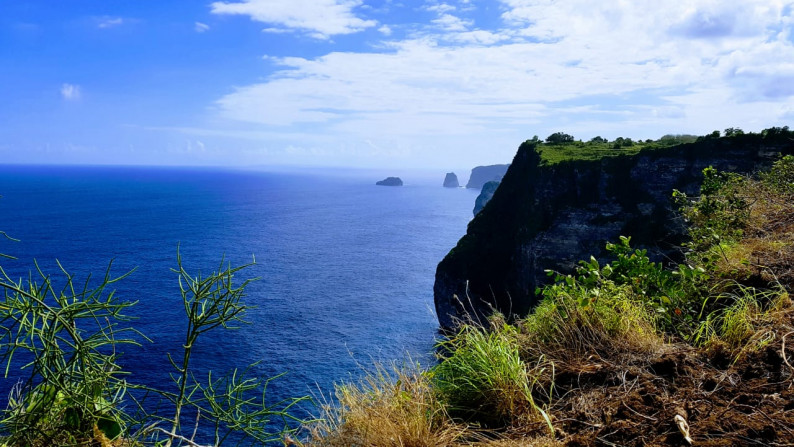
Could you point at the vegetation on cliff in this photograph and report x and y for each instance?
(620, 353)
(548, 214)
(560, 146)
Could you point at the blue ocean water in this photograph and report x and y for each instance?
(346, 267)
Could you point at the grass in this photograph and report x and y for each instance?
(484, 379)
(576, 321)
(395, 407)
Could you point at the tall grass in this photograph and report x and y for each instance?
(576, 321)
(484, 379)
(390, 407)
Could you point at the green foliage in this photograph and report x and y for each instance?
(672, 295)
(75, 390)
(484, 378)
(780, 178)
(559, 138)
(733, 132)
(574, 320)
(66, 340)
(721, 211)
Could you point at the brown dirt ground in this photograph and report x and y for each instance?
(749, 402)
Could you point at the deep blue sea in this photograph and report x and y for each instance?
(346, 266)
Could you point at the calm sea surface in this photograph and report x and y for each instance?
(346, 267)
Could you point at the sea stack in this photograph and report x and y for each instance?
(451, 180)
(390, 181)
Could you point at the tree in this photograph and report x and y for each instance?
(733, 131)
(598, 139)
(559, 138)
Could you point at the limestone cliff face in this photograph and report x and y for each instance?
(551, 216)
(484, 174)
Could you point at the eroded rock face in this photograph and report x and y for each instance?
(485, 196)
(484, 174)
(550, 217)
(390, 181)
(451, 180)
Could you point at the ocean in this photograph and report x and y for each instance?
(346, 267)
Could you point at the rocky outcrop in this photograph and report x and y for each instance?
(451, 180)
(390, 181)
(485, 196)
(484, 174)
(550, 216)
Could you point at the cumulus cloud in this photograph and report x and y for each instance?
(320, 18)
(70, 92)
(201, 27)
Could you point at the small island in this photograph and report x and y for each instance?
(451, 180)
(390, 181)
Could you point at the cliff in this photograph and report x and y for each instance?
(548, 216)
(484, 174)
(451, 180)
(486, 194)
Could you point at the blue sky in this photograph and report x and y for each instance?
(381, 83)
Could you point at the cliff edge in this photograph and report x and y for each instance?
(548, 216)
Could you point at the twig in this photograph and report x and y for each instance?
(181, 438)
(195, 428)
(783, 350)
(639, 414)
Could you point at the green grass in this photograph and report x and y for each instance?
(484, 378)
(556, 153)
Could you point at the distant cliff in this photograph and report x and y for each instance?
(451, 180)
(484, 174)
(549, 216)
(486, 194)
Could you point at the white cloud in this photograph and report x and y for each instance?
(201, 27)
(70, 92)
(320, 18)
(448, 22)
(277, 30)
(440, 8)
(612, 68)
(109, 22)
(385, 30)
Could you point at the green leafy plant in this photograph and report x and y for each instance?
(65, 340)
(673, 295)
(74, 390)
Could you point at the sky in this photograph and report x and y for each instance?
(378, 83)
